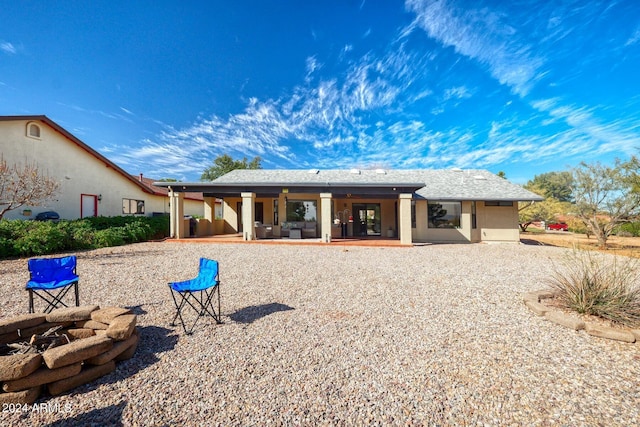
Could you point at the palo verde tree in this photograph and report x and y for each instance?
(23, 186)
(224, 164)
(546, 210)
(606, 196)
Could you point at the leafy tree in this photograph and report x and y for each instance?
(546, 210)
(224, 164)
(553, 184)
(605, 196)
(502, 175)
(23, 186)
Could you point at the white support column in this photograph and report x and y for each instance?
(404, 220)
(248, 216)
(172, 213)
(325, 215)
(176, 216)
(209, 214)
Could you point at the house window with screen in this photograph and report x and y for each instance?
(133, 207)
(444, 214)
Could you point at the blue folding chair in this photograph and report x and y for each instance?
(199, 293)
(51, 279)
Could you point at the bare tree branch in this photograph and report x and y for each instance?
(24, 186)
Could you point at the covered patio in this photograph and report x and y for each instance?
(433, 206)
(299, 210)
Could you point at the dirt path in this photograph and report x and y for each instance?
(628, 246)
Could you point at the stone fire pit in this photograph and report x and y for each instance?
(62, 350)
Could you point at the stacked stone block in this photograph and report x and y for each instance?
(98, 338)
(534, 301)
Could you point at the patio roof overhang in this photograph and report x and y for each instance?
(271, 189)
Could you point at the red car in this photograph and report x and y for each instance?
(558, 226)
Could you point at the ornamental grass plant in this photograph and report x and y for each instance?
(607, 287)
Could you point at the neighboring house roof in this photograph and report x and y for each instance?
(439, 184)
(158, 191)
(148, 182)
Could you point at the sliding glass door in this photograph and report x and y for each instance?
(367, 220)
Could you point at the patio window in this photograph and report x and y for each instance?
(301, 210)
(413, 214)
(444, 214)
(474, 217)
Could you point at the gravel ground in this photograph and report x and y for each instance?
(428, 335)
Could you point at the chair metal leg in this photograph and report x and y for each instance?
(53, 300)
(202, 305)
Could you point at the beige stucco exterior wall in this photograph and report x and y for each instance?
(498, 223)
(77, 171)
(494, 224)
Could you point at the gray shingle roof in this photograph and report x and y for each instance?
(439, 184)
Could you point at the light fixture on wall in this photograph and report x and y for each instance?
(99, 197)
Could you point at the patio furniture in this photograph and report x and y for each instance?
(51, 279)
(264, 231)
(300, 229)
(309, 230)
(199, 293)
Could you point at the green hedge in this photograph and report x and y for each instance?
(23, 238)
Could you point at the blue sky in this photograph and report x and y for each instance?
(162, 88)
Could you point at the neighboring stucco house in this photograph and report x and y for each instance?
(90, 184)
(451, 205)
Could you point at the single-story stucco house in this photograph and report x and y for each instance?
(447, 205)
(90, 183)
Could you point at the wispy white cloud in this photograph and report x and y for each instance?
(7, 47)
(618, 135)
(635, 38)
(482, 35)
(459, 92)
(320, 115)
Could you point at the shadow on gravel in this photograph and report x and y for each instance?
(110, 416)
(153, 341)
(534, 242)
(252, 313)
(138, 310)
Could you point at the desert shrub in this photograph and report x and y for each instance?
(590, 283)
(630, 229)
